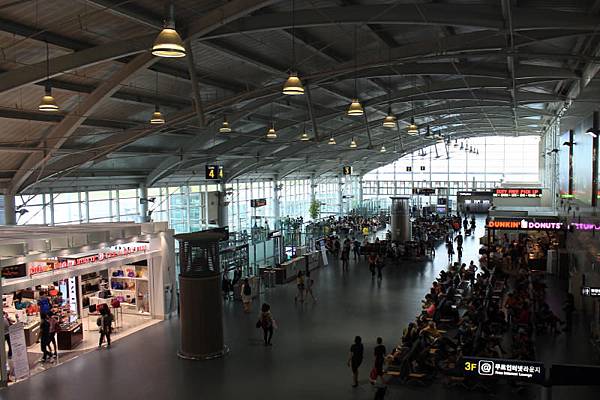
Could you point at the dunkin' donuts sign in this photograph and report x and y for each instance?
(525, 224)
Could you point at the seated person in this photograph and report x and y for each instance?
(431, 332)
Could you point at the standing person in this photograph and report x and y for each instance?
(7, 323)
(104, 322)
(54, 325)
(372, 264)
(45, 337)
(568, 308)
(345, 255)
(356, 248)
(459, 240)
(300, 285)
(379, 353)
(336, 247)
(309, 287)
(246, 291)
(459, 250)
(450, 248)
(267, 323)
(380, 264)
(356, 357)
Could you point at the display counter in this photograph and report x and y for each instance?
(70, 337)
(32, 333)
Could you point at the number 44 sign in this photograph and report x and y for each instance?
(214, 172)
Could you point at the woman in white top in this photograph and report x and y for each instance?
(246, 292)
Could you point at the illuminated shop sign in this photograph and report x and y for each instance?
(40, 267)
(525, 224)
(424, 191)
(255, 203)
(505, 192)
(529, 371)
(590, 291)
(467, 194)
(585, 227)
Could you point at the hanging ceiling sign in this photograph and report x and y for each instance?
(408, 169)
(214, 172)
(528, 371)
(255, 203)
(474, 193)
(422, 168)
(505, 192)
(424, 191)
(525, 224)
(347, 170)
(590, 291)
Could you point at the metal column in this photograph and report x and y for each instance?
(143, 196)
(10, 213)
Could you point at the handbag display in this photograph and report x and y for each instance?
(115, 303)
(93, 308)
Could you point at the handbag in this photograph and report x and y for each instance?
(115, 303)
(373, 374)
(259, 324)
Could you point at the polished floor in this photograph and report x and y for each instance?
(307, 360)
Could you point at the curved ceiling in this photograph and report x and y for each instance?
(466, 68)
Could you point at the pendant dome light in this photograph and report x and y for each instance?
(353, 144)
(382, 150)
(455, 142)
(331, 140)
(390, 120)
(225, 128)
(355, 108)
(272, 133)
(157, 117)
(293, 85)
(462, 146)
(413, 129)
(304, 137)
(428, 133)
(48, 103)
(168, 43)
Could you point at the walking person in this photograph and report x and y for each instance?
(450, 247)
(309, 287)
(246, 291)
(459, 250)
(345, 257)
(7, 323)
(45, 337)
(379, 265)
(372, 264)
(356, 357)
(104, 323)
(379, 353)
(54, 326)
(356, 248)
(267, 323)
(301, 286)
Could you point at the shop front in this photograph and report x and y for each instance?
(131, 277)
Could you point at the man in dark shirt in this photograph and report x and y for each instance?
(379, 359)
(356, 356)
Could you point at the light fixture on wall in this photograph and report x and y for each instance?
(592, 132)
(353, 144)
(225, 128)
(168, 43)
(48, 103)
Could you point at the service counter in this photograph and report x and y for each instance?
(288, 270)
(70, 337)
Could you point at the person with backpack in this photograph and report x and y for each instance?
(267, 323)
(356, 357)
(104, 323)
(246, 292)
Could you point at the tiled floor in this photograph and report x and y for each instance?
(307, 360)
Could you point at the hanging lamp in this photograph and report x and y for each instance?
(355, 108)
(48, 103)
(157, 117)
(331, 140)
(304, 137)
(225, 128)
(413, 129)
(462, 146)
(455, 142)
(353, 144)
(382, 150)
(168, 43)
(272, 133)
(390, 120)
(428, 132)
(293, 84)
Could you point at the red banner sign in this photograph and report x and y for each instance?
(505, 192)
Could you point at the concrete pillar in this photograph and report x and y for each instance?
(360, 190)
(143, 195)
(313, 186)
(10, 214)
(400, 219)
(276, 205)
(223, 216)
(340, 196)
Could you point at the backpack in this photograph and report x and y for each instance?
(247, 290)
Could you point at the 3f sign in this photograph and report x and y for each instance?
(469, 366)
